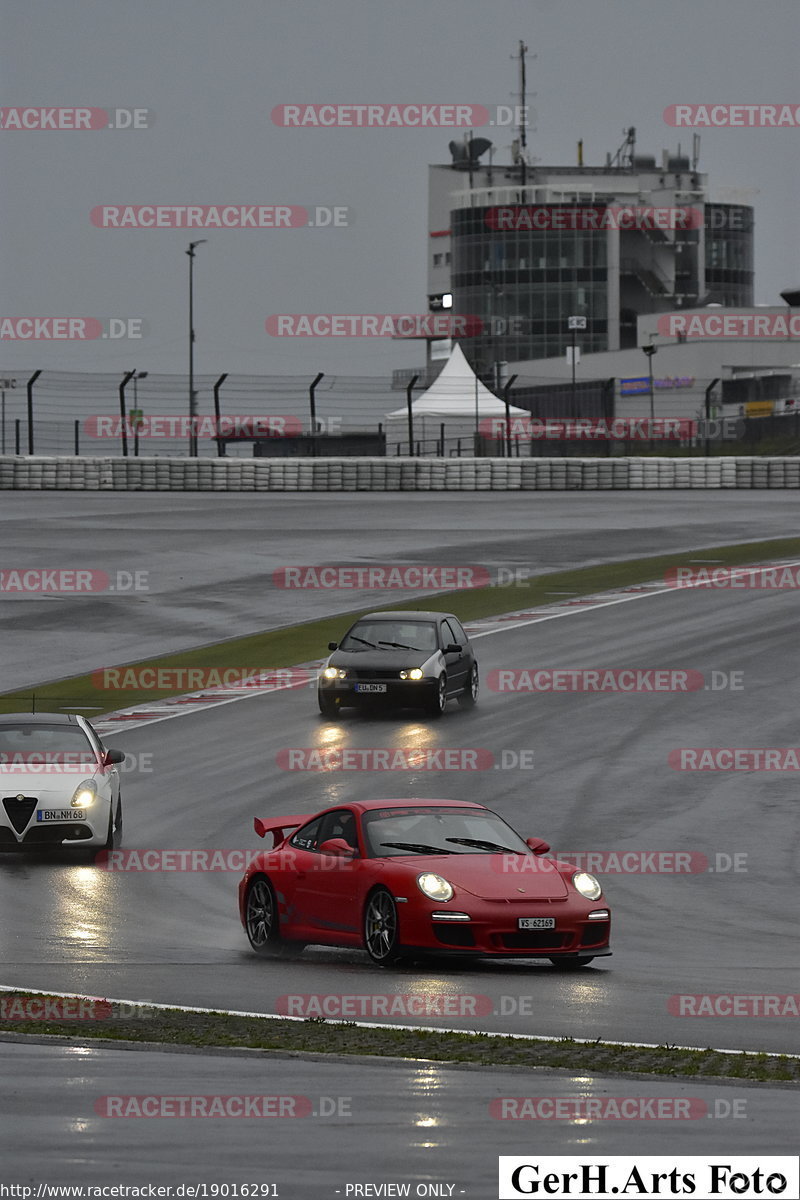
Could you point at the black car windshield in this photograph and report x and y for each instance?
(393, 831)
(419, 636)
(40, 744)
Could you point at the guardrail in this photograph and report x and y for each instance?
(392, 474)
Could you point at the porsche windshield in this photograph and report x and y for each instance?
(391, 832)
(391, 635)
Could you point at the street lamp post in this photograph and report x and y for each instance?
(573, 325)
(6, 383)
(650, 351)
(136, 416)
(192, 394)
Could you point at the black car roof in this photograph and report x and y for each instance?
(40, 718)
(410, 614)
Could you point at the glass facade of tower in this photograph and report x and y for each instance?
(524, 284)
(729, 254)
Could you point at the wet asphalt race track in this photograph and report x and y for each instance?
(208, 561)
(353, 1121)
(601, 781)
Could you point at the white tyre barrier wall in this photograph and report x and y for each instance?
(392, 474)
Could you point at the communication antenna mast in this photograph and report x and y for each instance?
(523, 139)
(624, 156)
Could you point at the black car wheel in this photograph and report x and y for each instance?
(261, 917)
(328, 705)
(381, 930)
(470, 694)
(435, 706)
(570, 964)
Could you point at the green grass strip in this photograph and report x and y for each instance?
(276, 648)
(173, 1027)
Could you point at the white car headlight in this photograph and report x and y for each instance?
(434, 886)
(587, 885)
(334, 673)
(84, 795)
(414, 673)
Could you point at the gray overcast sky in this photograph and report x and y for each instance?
(212, 72)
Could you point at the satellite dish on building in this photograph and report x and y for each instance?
(466, 154)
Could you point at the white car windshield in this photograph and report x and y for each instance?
(39, 744)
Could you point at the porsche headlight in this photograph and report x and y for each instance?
(414, 673)
(587, 885)
(434, 886)
(84, 795)
(334, 673)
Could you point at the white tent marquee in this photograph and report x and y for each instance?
(456, 399)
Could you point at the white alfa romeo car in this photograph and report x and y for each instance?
(59, 785)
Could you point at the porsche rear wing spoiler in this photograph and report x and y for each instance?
(279, 827)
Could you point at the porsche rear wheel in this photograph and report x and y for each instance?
(381, 929)
(261, 917)
(570, 964)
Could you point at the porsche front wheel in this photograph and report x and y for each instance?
(381, 930)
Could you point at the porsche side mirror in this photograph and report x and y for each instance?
(113, 756)
(333, 645)
(452, 649)
(537, 845)
(337, 848)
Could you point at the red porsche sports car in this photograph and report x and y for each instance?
(403, 878)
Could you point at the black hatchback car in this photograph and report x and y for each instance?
(404, 659)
